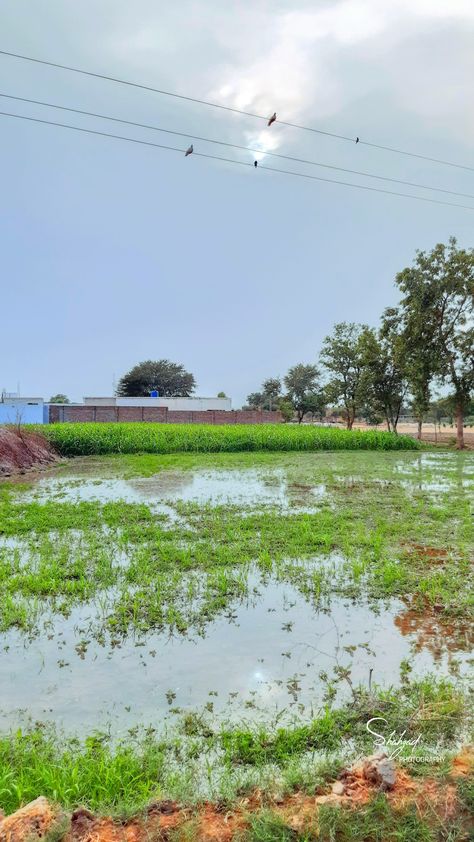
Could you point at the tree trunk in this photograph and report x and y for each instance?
(459, 426)
(420, 425)
(349, 422)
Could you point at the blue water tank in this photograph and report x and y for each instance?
(154, 394)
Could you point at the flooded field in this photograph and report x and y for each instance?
(246, 585)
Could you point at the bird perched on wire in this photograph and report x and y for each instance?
(255, 163)
(357, 140)
(272, 118)
(189, 151)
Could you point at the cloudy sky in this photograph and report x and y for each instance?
(113, 252)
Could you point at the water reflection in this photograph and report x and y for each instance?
(272, 652)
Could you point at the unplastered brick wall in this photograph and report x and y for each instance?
(160, 414)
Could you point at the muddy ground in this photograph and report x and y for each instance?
(21, 451)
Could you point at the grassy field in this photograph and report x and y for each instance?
(110, 559)
(87, 439)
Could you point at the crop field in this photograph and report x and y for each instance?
(85, 439)
(182, 621)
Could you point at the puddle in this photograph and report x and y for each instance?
(248, 487)
(264, 657)
(435, 472)
(268, 652)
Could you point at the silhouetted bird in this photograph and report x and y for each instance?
(357, 140)
(255, 163)
(272, 118)
(189, 150)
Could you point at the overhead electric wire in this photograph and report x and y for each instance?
(233, 161)
(230, 108)
(235, 145)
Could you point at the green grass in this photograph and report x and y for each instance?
(150, 572)
(88, 439)
(197, 759)
(375, 822)
(182, 574)
(435, 709)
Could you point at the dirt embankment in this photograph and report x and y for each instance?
(20, 451)
(207, 822)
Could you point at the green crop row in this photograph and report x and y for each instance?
(82, 439)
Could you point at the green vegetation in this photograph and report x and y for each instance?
(434, 709)
(167, 378)
(181, 573)
(426, 340)
(365, 526)
(378, 821)
(89, 439)
(124, 776)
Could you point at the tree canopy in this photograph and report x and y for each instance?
(269, 397)
(437, 310)
(59, 398)
(342, 357)
(383, 382)
(167, 378)
(302, 384)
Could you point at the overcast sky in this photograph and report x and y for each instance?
(112, 253)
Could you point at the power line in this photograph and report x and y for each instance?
(236, 146)
(233, 161)
(229, 108)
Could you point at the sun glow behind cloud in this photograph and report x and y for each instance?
(302, 65)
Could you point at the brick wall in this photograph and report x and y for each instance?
(160, 414)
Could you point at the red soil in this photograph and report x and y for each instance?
(20, 451)
(211, 822)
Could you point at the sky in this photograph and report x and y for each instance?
(113, 252)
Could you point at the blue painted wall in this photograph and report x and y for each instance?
(21, 412)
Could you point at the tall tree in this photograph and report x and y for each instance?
(342, 357)
(384, 384)
(167, 378)
(302, 383)
(269, 397)
(272, 390)
(438, 308)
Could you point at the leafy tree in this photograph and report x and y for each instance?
(221, 395)
(255, 400)
(169, 379)
(438, 309)
(384, 384)
(302, 383)
(271, 390)
(342, 357)
(316, 404)
(286, 408)
(268, 398)
(59, 398)
(442, 408)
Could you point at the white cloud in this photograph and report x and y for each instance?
(312, 62)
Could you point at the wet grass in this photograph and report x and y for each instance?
(397, 524)
(436, 710)
(89, 439)
(197, 759)
(378, 513)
